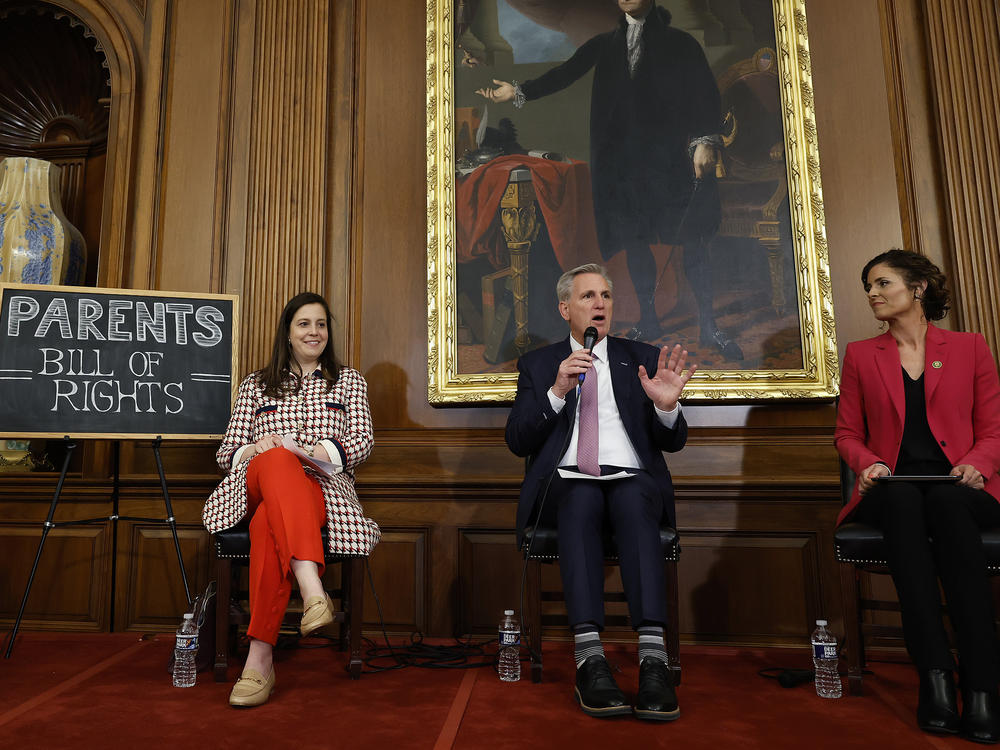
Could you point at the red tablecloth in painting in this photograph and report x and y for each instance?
(564, 197)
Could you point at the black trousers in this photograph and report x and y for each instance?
(933, 531)
(633, 508)
(697, 269)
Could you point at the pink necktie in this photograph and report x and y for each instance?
(587, 442)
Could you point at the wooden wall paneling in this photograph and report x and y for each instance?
(286, 212)
(346, 166)
(443, 592)
(964, 40)
(489, 576)
(727, 586)
(195, 139)
(183, 461)
(71, 587)
(150, 593)
(140, 269)
(441, 512)
(226, 138)
(922, 202)
(144, 596)
(853, 128)
(751, 543)
(90, 220)
(234, 180)
(399, 571)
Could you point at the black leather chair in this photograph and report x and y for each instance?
(545, 549)
(232, 550)
(861, 548)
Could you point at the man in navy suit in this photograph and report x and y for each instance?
(628, 415)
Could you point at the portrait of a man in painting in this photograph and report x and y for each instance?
(646, 136)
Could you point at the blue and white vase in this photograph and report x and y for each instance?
(38, 245)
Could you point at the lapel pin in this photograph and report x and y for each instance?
(936, 364)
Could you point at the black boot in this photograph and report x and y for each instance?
(981, 716)
(648, 329)
(716, 337)
(937, 709)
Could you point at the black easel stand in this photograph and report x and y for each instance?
(49, 524)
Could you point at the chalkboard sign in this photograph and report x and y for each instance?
(115, 363)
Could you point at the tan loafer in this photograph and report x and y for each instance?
(317, 612)
(252, 689)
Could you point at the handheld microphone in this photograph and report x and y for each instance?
(589, 339)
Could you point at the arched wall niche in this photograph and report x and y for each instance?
(108, 22)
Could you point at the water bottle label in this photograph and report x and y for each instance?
(508, 638)
(187, 642)
(824, 650)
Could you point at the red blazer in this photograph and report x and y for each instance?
(961, 390)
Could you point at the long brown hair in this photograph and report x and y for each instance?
(277, 378)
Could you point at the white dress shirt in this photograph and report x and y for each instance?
(616, 448)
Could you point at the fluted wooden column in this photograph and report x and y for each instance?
(964, 42)
(286, 208)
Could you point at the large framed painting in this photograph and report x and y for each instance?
(678, 152)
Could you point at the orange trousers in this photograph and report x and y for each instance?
(287, 512)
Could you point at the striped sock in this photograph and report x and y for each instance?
(588, 643)
(651, 643)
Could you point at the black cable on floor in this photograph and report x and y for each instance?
(463, 654)
(788, 677)
(420, 654)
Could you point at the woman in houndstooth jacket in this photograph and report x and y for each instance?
(305, 400)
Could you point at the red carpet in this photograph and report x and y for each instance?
(113, 691)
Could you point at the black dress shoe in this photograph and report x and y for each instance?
(937, 709)
(596, 691)
(981, 716)
(656, 699)
(647, 329)
(721, 341)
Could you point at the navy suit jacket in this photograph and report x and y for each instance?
(534, 430)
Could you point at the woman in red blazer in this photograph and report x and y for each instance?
(920, 400)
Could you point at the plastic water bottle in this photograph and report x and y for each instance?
(509, 656)
(824, 647)
(185, 650)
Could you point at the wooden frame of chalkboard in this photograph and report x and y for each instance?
(126, 364)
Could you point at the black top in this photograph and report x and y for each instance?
(919, 452)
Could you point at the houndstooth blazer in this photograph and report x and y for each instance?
(339, 418)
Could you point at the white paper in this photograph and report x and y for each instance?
(570, 474)
(323, 467)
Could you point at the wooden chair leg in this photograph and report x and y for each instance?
(343, 592)
(223, 592)
(673, 623)
(850, 595)
(354, 596)
(533, 618)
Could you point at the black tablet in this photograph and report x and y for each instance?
(919, 478)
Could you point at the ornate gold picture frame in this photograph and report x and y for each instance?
(503, 220)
